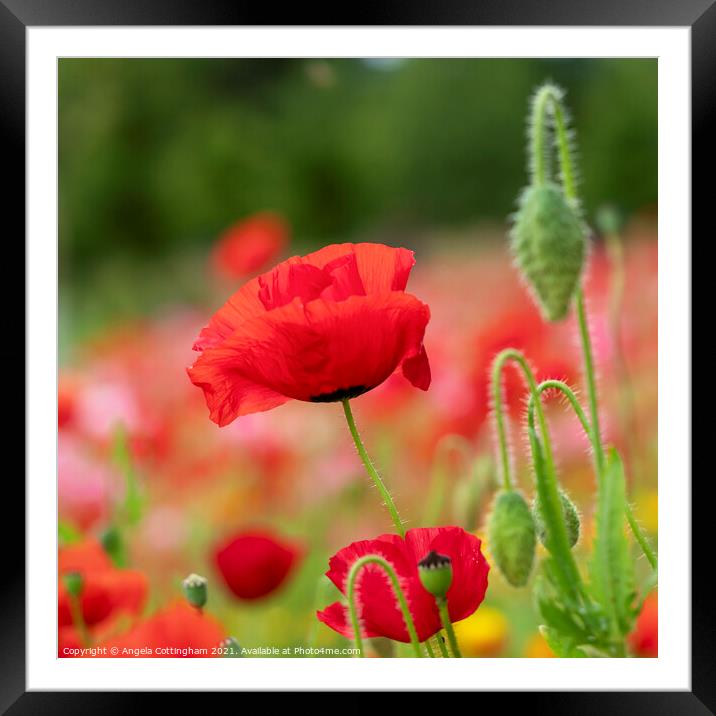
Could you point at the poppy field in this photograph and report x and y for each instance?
(286, 431)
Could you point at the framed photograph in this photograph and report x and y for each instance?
(358, 352)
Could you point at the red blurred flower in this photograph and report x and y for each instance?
(172, 632)
(524, 330)
(644, 640)
(249, 245)
(68, 640)
(254, 564)
(379, 612)
(66, 399)
(106, 591)
(319, 328)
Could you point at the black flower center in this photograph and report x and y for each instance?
(340, 394)
(433, 560)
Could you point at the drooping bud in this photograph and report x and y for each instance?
(73, 583)
(511, 537)
(549, 244)
(571, 518)
(435, 572)
(195, 590)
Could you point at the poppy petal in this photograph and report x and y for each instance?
(336, 616)
(383, 268)
(417, 369)
(228, 394)
(364, 268)
(318, 352)
(470, 568)
(378, 607)
(243, 305)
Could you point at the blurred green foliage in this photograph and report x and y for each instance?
(158, 156)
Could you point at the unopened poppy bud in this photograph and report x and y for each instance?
(73, 583)
(511, 537)
(195, 590)
(549, 245)
(435, 572)
(571, 519)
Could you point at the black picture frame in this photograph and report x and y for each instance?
(699, 15)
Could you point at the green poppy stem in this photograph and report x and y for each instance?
(547, 478)
(397, 590)
(587, 428)
(370, 469)
(447, 625)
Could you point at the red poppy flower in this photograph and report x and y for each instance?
(644, 640)
(320, 328)
(254, 564)
(176, 631)
(106, 591)
(249, 245)
(379, 612)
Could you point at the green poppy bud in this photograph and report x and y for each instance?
(511, 537)
(73, 583)
(195, 590)
(571, 519)
(549, 244)
(435, 572)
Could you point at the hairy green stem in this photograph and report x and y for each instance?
(370, 469)
(641, 537)
(440, 641)
(497, 409)
(581, 415)
(397, 590)
(447, 625)
(540, 166)
(630, 424)
(547, 104)
(547, 479)
(549, 96)
(590, 378)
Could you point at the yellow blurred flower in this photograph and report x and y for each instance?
(484, 633)
(537, 648)
(647, 510)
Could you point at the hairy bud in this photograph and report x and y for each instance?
(549, 244)
(571, 519)
(511, 537)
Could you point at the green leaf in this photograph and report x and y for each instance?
(556, 616)
(611, 567)
(561, 646)
(581, 624)
(564, 574)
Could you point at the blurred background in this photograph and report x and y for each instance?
(181, 179)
